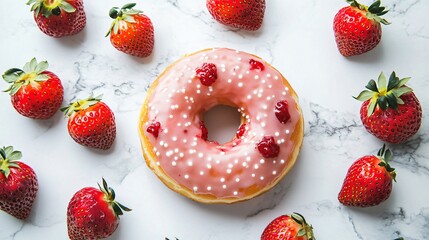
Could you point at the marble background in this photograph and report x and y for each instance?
(297, 38)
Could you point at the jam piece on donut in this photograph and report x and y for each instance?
(204, 132)
(240, 131)
(282, 112)
(207, 74)
(256, 65)
(154, 129)
(268, 147)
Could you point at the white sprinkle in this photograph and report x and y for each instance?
(276, 77)
(276, 134)
(229, 80)
(162, 143)
(174, 139)
(230, 165)
(282, 161)
(235, 193)
(209, 166)
(265, 107)
(240, 84)
(244, 164)
(190, 163)
(263, 124)
(256, 77)
(201, 173)
(224, 186)
(256, 166)
(222, 180)
(249, 97)
(171, 116)
(198, 91)
(274, 172)
(165, 130)
(268, 75)
(173, 163)
(166, 145)
(195, 189)
(287, 131)
(200, 155)
(186, 176)
(240, 76)
(185, 141)
(262, 161)
(198, 86)
(262, 177)
(248, 158)
(237, 179)
(181, 155)
(185, 116)
(209, 188)
(253, 175)
(284, 93)
(270, 86)
(228, 170)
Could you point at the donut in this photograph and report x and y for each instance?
(174, 138)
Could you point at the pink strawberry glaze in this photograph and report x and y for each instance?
(204, 167)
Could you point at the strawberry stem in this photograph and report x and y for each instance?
(385, 155)
(8, 159)
(306, 230)
(384, 96)
(109, 196)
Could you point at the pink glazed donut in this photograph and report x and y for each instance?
(174, 138)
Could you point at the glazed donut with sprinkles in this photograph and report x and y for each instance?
(174, 137)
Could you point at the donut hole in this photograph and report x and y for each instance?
(222, 122)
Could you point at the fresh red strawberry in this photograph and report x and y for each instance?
(18, 184)
(246, 15)
(285, 227)
(91, 123)
(93, 213)
(131, 31)
(58, 18)
(368, 181)
(392, 113)
(35, 92)
(357, 27)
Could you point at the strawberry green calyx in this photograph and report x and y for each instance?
(385, 155)
(374, 11)
(8, 159)
(109, 197)
(385, 95)
(32, 73)
(306, 230)
(121, 15)
(79, 105)
(50, 7)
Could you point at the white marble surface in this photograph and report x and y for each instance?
(296, 38)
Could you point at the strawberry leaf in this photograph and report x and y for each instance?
(42, 66)
(129, 6)
(365, 95)
(67, 7)
(393, 81)
(12, 75)
(403, 81)
(391, 100)
(371, 107)
(41, 78)
(301, 232)
(382, 82)
(14, 88)
(401, 91)
(372, 86)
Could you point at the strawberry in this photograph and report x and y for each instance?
(392, 113)
(58, 18)
(357, 27)
(368, 181)
(268, 147)
(35, 92)
(93, 213)
(288, 227)
(91, 123)
(246, 15)
(131, 31)
(18, 184)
